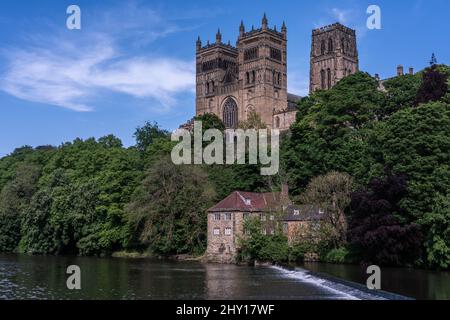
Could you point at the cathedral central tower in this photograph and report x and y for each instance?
(233, 81)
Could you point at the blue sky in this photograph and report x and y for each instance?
(133, 61)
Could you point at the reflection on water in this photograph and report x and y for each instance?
(44, 277)
(419, 284)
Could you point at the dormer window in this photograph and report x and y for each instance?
(296, 212)
(248, 202)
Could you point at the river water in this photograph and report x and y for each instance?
(44, 277)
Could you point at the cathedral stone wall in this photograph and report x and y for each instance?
(334, 55)
(232, 81)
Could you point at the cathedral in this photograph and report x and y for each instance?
(233, 81)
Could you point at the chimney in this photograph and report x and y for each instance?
(285, 189)
(284, 196)
(400, 70)
(411, 70)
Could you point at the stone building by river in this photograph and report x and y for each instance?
(226, 220)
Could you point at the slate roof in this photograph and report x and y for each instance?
(248, 202)
(240, 201)
(303, 213)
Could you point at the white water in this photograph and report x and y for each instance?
(305, 277)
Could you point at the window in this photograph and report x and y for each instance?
(228, 216)
(277, 122)
(230, 113)
(262, 217)
(216, 231)
(296, 212)
(343, 45)
(275, 54)
(322, 47)
(207, 88)
(253, 76)
(251, 53)
(279, 78)
(330, 45)
(322, 79)
(272, 217)
(248, 202)
(329, 78)
(216, 216)
(228, 231)
(247, 76)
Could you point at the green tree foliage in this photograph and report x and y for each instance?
(257, 246)
(331, 193)
(168, 211)
(332, 132)
(146, 134)
(79, 207)
(401, 93)
(437, 243)
(415, 142)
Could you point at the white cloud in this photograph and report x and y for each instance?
(340, 15)
(71, 74)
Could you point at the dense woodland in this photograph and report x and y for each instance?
(379, 158)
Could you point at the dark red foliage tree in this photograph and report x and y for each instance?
(377, 227)
(434, 86)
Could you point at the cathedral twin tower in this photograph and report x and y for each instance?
(233, 81)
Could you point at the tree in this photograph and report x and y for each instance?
(434, 86)
(253, 121)
(331, 193)
(146, 134)
(14, 199)
(332, 132)
(437, 242)
(378, 230)
(168, 212)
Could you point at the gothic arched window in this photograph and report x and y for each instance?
(277, 122)
(253, 76)
(322, 47)
(343, 45)
(329, 78)
(330, 45)
(230, 113)
(247, 77)
(322, 79)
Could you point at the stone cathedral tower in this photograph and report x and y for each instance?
(232, 81)
(334, 55)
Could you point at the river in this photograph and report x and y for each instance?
(44, 277)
